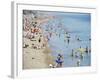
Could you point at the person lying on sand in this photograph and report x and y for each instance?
(25, 45)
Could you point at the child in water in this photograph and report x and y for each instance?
(59, 60)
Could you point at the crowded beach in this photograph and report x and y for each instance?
(48, 43)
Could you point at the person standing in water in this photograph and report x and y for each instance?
(86, 50)
(59, 60)
(59, 35)
(78, 62)
(72, 53)
(68, 40)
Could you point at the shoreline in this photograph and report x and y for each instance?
(36, 58)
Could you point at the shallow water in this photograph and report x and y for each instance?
(59, 46)
(77, 26)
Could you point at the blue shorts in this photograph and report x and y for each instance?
(59, 61)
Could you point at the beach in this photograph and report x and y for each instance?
(56, 39)
(36, 58)
(36, 50)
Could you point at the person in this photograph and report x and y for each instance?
(86, 49)
(50, 34)
(66, 33)
(78, 62)
(68, 40)
(72, 53)
(81, 56)
(78, 39)
(47, 38)
(59, 60)
(25, 45)
(89, 50)
(59, 35)
(76, 56)
(39, 40)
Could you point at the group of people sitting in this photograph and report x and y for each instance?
(35, 35)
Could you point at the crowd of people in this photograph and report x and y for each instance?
(35, 34)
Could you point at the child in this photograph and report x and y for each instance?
(59, 60)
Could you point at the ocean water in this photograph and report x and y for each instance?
(58, 45)
(76, 27)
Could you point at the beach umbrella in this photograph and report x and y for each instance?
(81, 50)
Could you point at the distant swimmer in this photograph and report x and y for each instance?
(78, 39)
(66, 33)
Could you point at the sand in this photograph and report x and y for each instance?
(40, 56)
(36, 58)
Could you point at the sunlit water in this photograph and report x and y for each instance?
(77, 28)
(58, 45)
